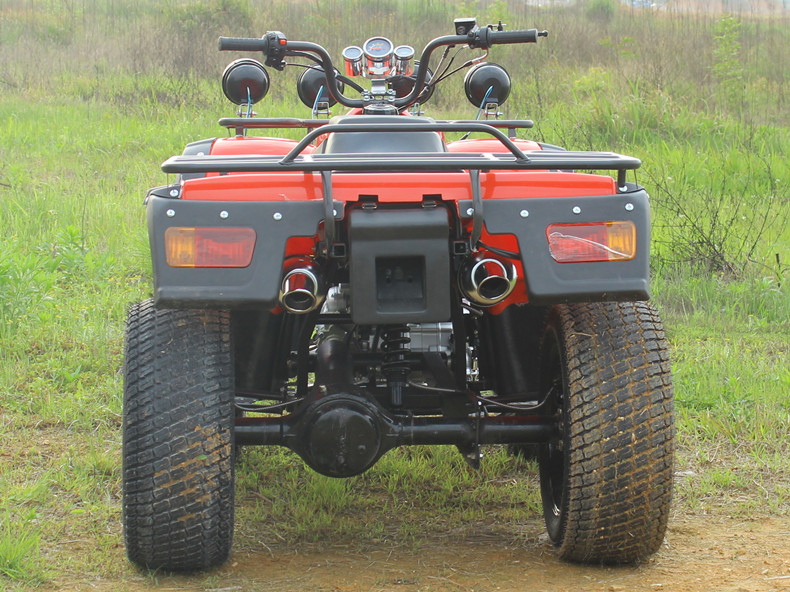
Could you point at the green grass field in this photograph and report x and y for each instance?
(95, 95)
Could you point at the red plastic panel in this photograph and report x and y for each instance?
(396, 188)
(255, 145)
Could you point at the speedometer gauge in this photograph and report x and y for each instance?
(378, 54)
(378, 48)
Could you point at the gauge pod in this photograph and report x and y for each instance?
(378, 55)
(403, 57)
(245, 81)
(483, 77)
(311, 82)
(352, 56)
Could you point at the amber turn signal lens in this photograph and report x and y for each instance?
(209, 247)
(598, 241)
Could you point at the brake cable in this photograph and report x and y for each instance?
(466, 64)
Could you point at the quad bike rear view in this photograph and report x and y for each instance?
(378, 284)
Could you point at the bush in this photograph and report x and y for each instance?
(601, 10)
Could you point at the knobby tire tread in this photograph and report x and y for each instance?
(620, 422)
(177, 438)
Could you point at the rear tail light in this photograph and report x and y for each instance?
(598, 241)
(209, 247)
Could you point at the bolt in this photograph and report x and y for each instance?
(174, 193)
(629, 207)
(524, 214)
(334, 213)
(170, 213)
(277, 216)
(577, 210)
(470, 211)
(224, 214)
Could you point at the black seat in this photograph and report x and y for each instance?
(381, 141)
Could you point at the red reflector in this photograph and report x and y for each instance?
(209, 247)
(598, 241)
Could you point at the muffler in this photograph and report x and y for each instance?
(301, 290)
(487, 281)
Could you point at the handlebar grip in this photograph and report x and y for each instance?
(523, 36)
(243, 44)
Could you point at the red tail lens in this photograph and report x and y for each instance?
(598, 241)
(209, 247)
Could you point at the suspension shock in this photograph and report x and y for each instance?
(396, 367)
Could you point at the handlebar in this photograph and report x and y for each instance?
(243, 44)
(275, 46)
(494, 37)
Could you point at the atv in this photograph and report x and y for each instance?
(376, 284)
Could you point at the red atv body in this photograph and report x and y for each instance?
(375, 285)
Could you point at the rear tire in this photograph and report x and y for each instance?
(606, 481)
(178, 420)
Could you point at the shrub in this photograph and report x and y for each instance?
(601, 10)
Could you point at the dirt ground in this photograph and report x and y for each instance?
(710, 553)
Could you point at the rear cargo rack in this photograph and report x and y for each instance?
(404, 162)
(474, 163)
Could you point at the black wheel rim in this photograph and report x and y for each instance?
(553, 463)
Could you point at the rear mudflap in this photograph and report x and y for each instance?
(548, 281)
(256, 285)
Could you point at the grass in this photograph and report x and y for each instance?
(19, 550)
(730, 350)
(84, 124)
(412, 496)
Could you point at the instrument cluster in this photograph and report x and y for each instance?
(378, 57)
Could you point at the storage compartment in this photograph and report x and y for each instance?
(400, 266)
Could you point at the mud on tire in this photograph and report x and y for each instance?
(177, 438)
(606, 481)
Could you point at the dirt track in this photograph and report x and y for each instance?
(700, 553)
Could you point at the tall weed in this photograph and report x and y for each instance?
(728, 69)
(20, 559)
(26, 284)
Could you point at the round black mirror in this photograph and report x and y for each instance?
(483, 77)
(245, 81)
(311, 82)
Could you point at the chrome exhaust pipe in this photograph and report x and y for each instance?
(486, 281)
(301, 290)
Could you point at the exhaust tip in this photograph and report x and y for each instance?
(298, 301)
(494, 288)
(487, 281)
(300, 291)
